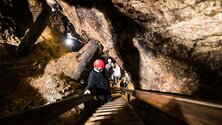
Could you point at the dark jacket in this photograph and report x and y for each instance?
(99, 82)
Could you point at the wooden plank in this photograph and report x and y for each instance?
(114, 106)
(189, 110)
(110, 122)
(35, 31)
(41, 114)
(108, 110)
(102, 108)
(85, 58)
(115, 116)
(105, 113)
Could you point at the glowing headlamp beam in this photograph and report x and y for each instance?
(68, 41)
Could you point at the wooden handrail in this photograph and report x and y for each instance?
(189, 110)
(39, 115)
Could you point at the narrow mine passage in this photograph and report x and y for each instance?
(171, 51)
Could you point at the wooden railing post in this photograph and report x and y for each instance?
(128, 97)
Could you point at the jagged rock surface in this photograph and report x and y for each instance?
(166, 45)
(43, 76)
(188, 34)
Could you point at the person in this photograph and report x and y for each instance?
(109, 68)
(98, 81)
(116, 74)
(127, 77)
(123, 84)
(125, 81)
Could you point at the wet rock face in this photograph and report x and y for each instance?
(171, 45)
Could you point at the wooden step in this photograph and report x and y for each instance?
(112, 113)
(109, 110)
(117, 112)
(112, 107)
(113, 116)
(115, 122)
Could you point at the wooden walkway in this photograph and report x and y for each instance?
(117, 112)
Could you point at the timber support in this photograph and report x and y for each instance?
(88, 51)
(36, 30)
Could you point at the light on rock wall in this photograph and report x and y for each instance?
(73, 43)
(69, 42)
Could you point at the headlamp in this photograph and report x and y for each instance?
(69, 42)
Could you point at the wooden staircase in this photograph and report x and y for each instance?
(116, 112)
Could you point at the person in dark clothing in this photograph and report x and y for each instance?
(98, 81)
(123, 84)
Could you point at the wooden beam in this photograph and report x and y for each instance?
(88, 52)
(36, 30)
(190, 110)
(42, 114)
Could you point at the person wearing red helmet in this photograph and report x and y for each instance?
(98, 81)
(99, 64)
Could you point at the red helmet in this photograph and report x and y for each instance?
(99, 64)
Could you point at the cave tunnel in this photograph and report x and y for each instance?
(170, 53)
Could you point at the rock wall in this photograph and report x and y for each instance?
(166, 45)
(188, 35)
(43, 75)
